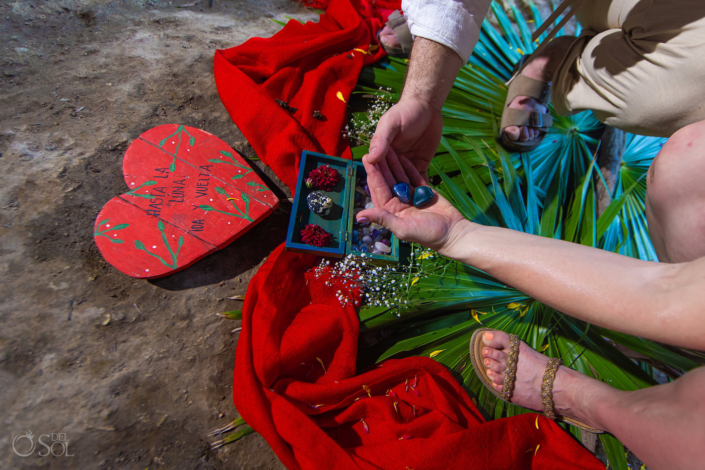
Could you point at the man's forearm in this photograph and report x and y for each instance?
(659, 301)
(431, 73)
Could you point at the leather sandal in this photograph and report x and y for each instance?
(521, 85)
(476, 345)
(397, 23)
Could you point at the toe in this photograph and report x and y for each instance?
(496, 339)
(512, 132)
(524, 134)
(495, 366)
(495, 354)
(497, 378)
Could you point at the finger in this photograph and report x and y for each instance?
(386, 131)
(384, 218)
(386, 172)
(379, 189)
(396, 168)
(415, 178)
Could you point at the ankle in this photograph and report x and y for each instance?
(576, 395)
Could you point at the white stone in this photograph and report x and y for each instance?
(383, 248)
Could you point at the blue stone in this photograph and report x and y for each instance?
(422, 196)
(364, 249)
(403, 192)
(374, 232)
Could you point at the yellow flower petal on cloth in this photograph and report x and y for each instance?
(513, 305)
(340, 97)
(436, 353)
(414, 281)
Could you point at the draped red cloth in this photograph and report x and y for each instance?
(310, 67)
(296, 384)
(295, 368)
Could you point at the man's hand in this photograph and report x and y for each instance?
(413, 127)
(436, 226)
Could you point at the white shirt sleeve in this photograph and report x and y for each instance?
(453, 23)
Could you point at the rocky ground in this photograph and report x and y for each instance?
(133, 373)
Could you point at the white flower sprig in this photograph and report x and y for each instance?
(379, 286)
(361, 128)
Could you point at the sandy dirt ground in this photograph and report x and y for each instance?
(133, 373)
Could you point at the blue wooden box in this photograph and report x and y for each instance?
(341, 219)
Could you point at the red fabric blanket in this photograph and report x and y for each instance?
(309, 67)
(296, 384)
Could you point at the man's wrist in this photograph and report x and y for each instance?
(431, 73)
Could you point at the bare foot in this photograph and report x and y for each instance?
(388, 37)
(573, 392)
(541, 67)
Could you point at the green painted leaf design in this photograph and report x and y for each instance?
(103, 222)
(192, 141)
(227, 154)
(237, 177)
(245, 197)
(163, 141)
(121, 226)
(139, 245)
(150, 183)
(206, 207)
(172, 167)
(220, 190)
(160, 225)
(116, 240)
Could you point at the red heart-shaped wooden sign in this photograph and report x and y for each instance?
(190, 195)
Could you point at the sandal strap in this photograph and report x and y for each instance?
(397, 22)
(524, 86)
(547, 387)
(511, 373)
(522, 117)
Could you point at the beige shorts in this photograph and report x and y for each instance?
(639, 65)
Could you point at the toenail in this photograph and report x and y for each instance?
(489, 371)
(487, 362)
(486, 352)
(488, 336)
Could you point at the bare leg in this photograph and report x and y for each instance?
(663, 425)
(675, 197)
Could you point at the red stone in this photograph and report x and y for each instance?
(188, 189)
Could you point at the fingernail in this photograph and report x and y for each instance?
(363, 220)
(487, 362)
(488, 336)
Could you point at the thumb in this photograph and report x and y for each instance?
(385, 133)
(384, 218)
